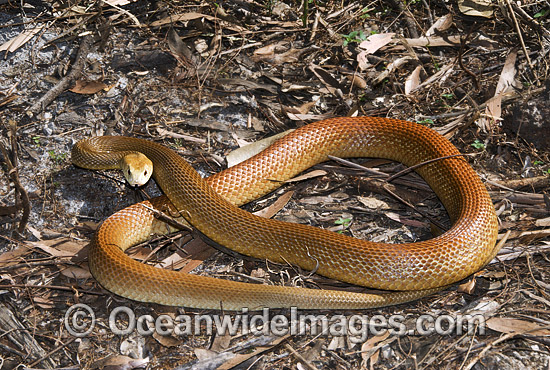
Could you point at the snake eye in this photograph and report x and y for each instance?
(145, 173)
(129, 173)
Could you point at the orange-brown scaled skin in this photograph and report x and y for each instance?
(416, 269)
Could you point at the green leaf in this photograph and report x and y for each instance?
(354, 36)
(343, 221)
(427, 121)
(478, 144)
(542, 13)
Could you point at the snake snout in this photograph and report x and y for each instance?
(137, 168)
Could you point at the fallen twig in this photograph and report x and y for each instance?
(67, 81)
(409, 20)
(20, 192)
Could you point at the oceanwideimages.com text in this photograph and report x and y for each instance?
(80, 321)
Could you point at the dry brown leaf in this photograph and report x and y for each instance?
(413, 81)
(173, 261)
(373, 203)
(13, 257)
(405, 221)
(240, 141)
(193, 15)
(75, 272)
(434, 41)
(374, 42)
(294, 87)
(248, 84)
(320, 199)
(59, 247)
(511, 325)
(241, 154)
(181, 51)
(308, 117)
(476, 8)
(271, 210)
(467, 287)
(43, 301)
(493, 111)
(181, 18)
(69, 246)
(267, 52)
(507, 79)
(119, 362)
(89, 87)
(290, 56)
(139, 253)
(302, 109)
(11, 45)
(330, 82)
(337, 342)
(439, 76)
(491, 274)
(117, 2)
(240, 358)
(307, 176)
(541, 222)
(90, 225)
(204, 354)
(166, 340)
(367, 352)
(529, 237)
(396, 64)
(358, 81)
(215, 43)
(197, 251)
(506, 82)
(424, 41)
(221, 342)
(258, 273)
(441, 24)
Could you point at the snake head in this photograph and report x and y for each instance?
(137, 168)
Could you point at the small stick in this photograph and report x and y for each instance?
(409, 20)
(412, 168)
(518, 29)
(398, 174)
(168, 220)
(13, 174)
(52, 352)
(300, 357)
(52, 287)
(432, 220)
(459, 57)
(67, 81)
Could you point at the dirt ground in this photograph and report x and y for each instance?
(205, 78)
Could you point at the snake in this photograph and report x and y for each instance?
(401, 272)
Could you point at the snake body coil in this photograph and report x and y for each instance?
(211, 205)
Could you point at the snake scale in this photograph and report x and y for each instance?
(211, 205)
